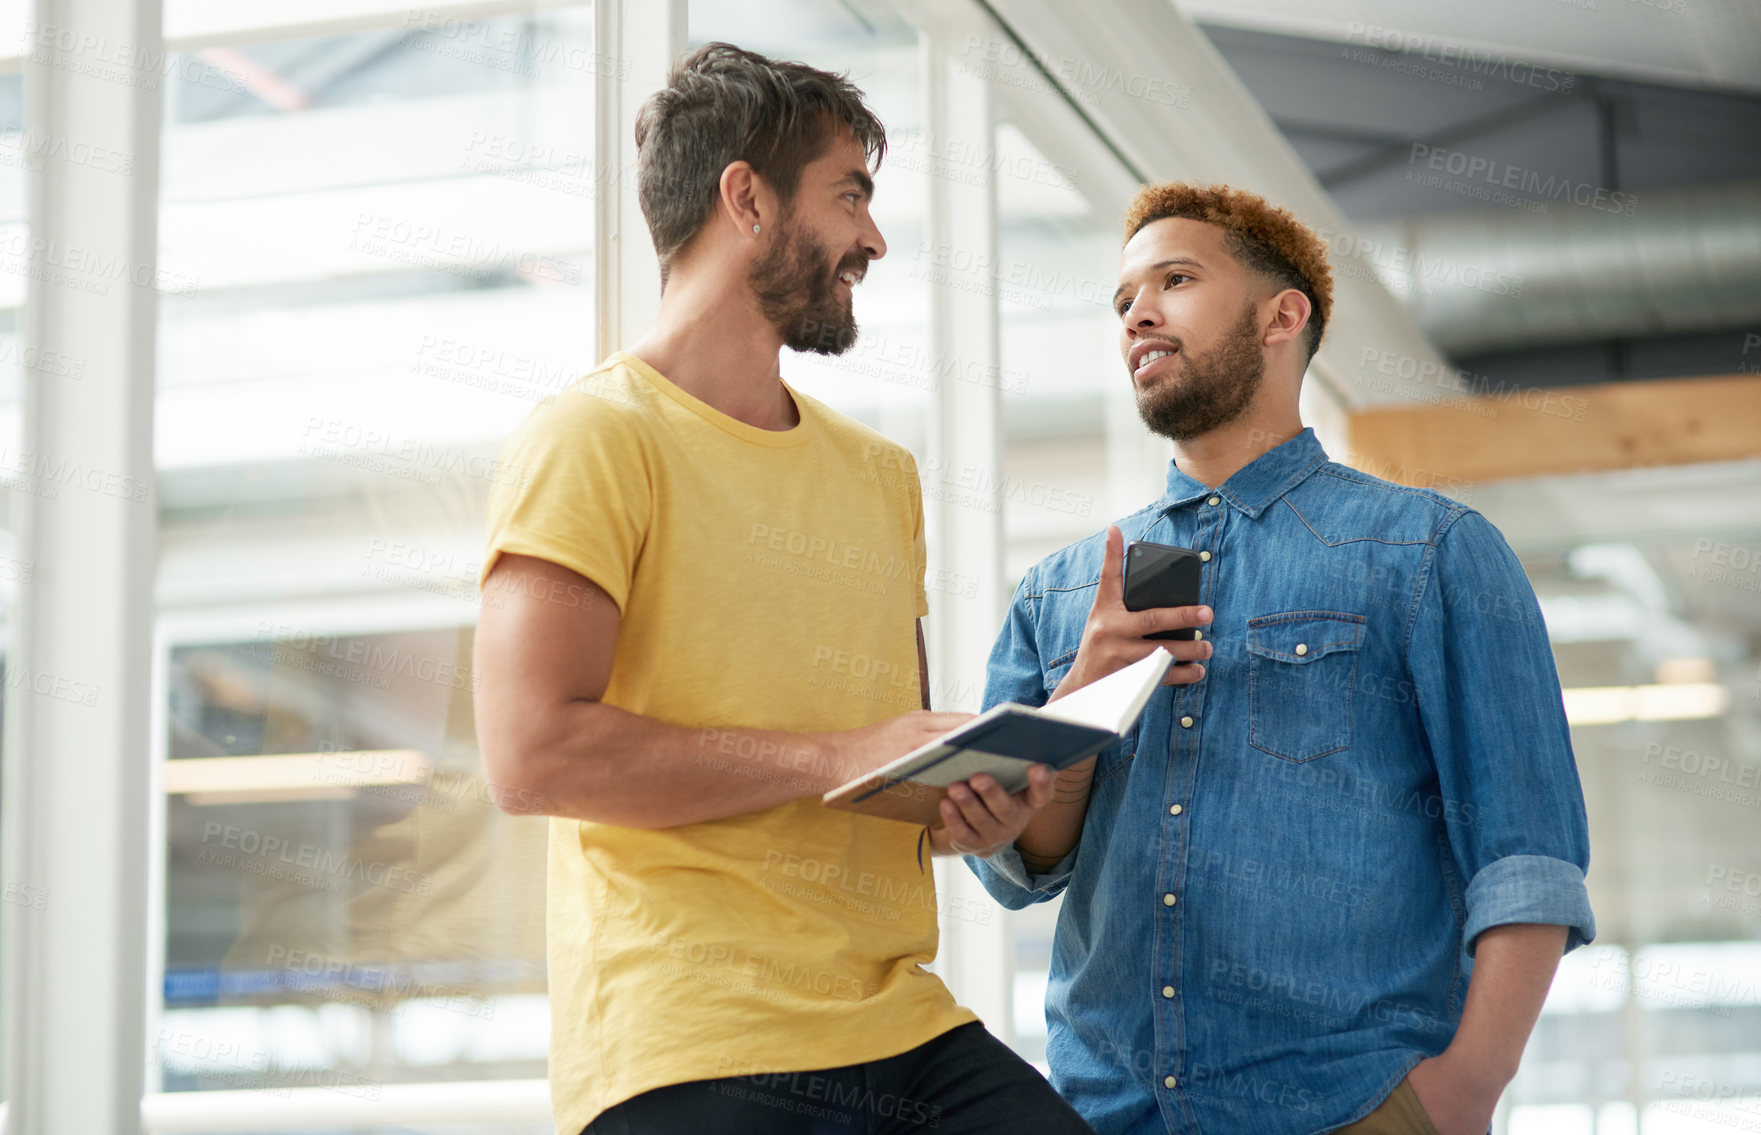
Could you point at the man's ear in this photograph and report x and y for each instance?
(1290, 316)
(746, 201)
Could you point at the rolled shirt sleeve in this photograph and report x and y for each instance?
(1530, 888)
(1490, 705)
(1014, 674)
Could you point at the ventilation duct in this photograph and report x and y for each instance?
(1653, 263)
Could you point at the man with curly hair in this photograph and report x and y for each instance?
(1325, 882)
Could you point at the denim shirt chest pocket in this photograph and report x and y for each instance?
(1302, 667)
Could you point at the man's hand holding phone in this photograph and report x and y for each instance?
(1113, 637)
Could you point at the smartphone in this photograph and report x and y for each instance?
(1161, 575)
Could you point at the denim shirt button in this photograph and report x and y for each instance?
(1186, 723)
(1169, 1081)
(1215, 501)
(1168, 899)
(1176, 810)
(1205, 556)
(1302, 648)
(1167, 991)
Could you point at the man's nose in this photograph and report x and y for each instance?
(874, 244)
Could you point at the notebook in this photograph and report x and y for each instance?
(1003, 741)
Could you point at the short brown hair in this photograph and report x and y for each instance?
(724, 104)
(1268, 240)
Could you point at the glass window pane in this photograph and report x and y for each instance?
(1061, 380)
(25, 895)
(1657, 1026)
(380, 245)
(1058, 249)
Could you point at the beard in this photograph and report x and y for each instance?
(796, 288)
(1207, 391)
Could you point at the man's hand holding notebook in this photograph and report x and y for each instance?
(1005, 741)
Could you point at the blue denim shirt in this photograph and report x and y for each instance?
(1270, 915)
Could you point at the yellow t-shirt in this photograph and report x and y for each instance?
(767, 579)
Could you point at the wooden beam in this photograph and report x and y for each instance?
(1535, 431)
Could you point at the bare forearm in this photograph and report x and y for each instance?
(598, 762)
(552, 745)
(1053, 832)
(1513, 968)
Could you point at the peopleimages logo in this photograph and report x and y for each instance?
(1081, 79)
(270, 849)
(371, 656)
(1479, 63)
(1502, 175)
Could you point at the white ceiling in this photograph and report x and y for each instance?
(1709, 43)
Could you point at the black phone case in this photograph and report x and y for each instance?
(1161, 575)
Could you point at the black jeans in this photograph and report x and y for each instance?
(964, 1082)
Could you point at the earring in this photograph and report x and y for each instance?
(755, 229)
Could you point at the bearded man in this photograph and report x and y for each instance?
(707, 588)
(1324, 888)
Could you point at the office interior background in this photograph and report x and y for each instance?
(276, 279)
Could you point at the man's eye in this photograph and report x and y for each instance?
(1124, 306)
(1173, 276)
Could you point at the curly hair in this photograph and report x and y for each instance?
(1268, 240)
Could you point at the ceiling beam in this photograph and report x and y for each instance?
(1534, 432)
